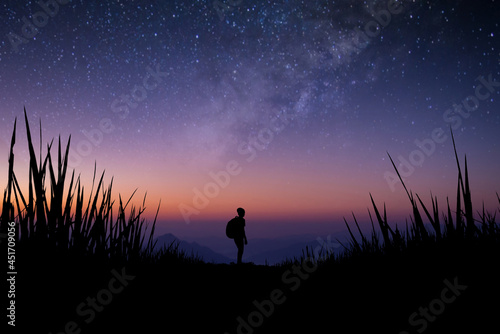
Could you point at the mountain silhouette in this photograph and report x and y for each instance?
(205, 253)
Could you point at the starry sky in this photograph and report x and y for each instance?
(286, 108)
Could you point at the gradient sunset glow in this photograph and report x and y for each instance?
(282, 108)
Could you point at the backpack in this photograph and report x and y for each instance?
(232, 228)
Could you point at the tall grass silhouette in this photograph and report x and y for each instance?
(459, 227)
(62, 221)
(449, 230)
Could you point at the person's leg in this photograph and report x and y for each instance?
(240, 252)
(239, 243)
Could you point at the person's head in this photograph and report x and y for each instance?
(241, 212)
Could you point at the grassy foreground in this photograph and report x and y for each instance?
(84, 266)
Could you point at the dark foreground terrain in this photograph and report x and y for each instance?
(442, 292)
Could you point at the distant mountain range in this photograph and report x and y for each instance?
(193, 248)
(258, 251)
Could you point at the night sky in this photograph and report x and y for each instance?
(286, 108)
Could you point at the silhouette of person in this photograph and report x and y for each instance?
(240, 238)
